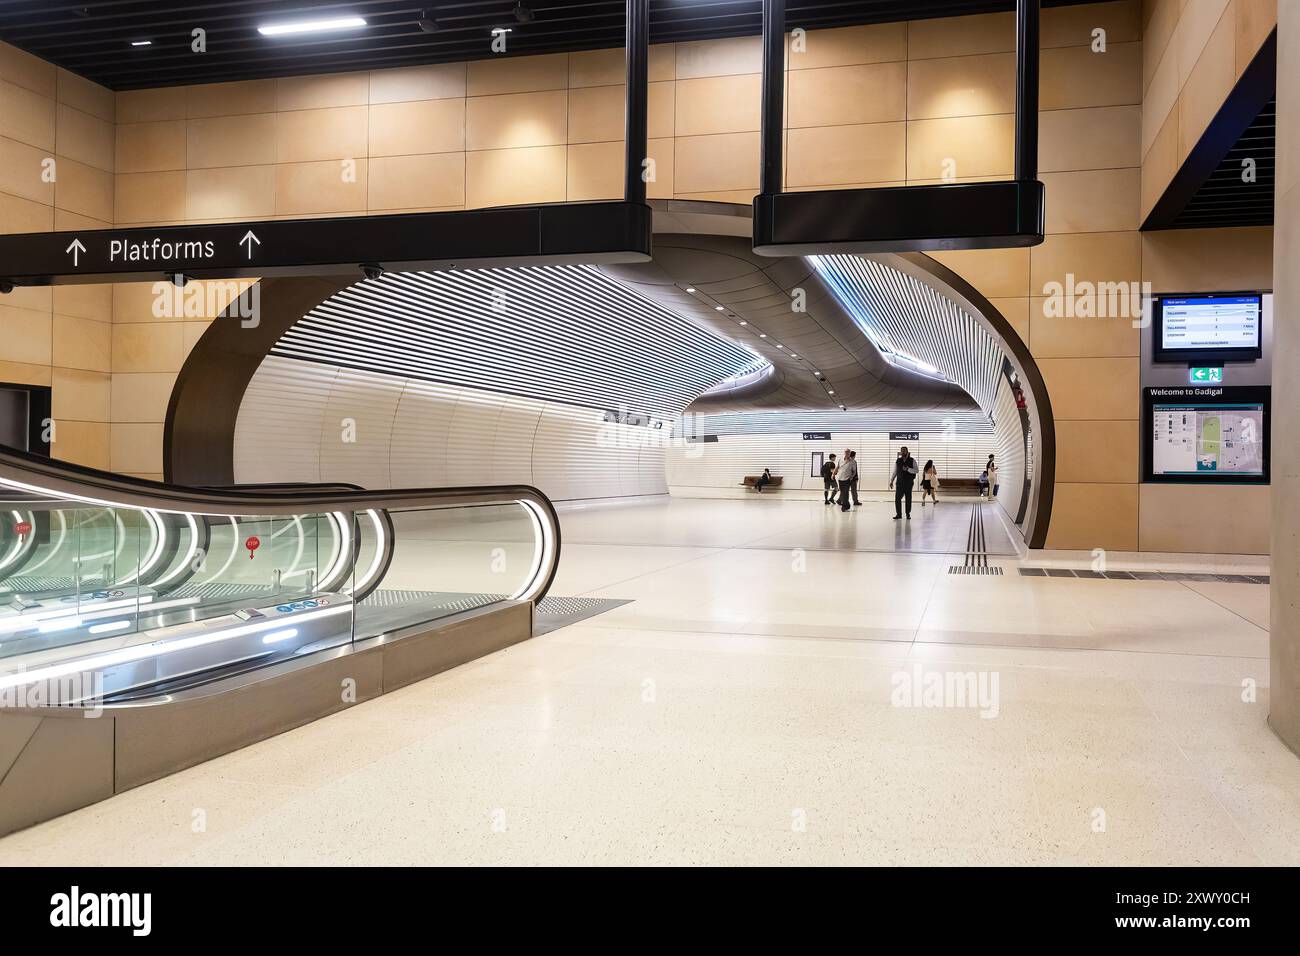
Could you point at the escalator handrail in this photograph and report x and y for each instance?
(43, 479)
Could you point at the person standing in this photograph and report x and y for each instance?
(845, 476)
(901, 482)
(853, 456)
(993, 479)
(828, 480)
(929, 482)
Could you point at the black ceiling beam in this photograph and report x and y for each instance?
(1255, 88)
(985, 215)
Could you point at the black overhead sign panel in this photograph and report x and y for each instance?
(522, 235)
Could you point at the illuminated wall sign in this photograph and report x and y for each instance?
(1205, 376)
(904, 436)
(816, 436)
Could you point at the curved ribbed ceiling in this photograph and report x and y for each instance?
(912, 323)
(931, 424)
(561, 333)
(579, 336)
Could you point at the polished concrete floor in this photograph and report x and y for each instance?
(750, 705)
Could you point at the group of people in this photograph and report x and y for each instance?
(840, 481)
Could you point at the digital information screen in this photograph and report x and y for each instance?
(1191, 439)
(1194, 328)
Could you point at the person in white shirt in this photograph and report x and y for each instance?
(847, 474)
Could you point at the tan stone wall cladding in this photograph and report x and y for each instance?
(1192, 54)
(871, 105)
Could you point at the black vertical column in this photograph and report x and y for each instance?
(1027, 89)
(638, 95)
(773, 118)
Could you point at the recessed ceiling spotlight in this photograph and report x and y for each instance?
(779, 345)
(762, 335)
(743, 322)
(792, 355)
(310, 26)
(718, 308)
(690, 288)
(830, 391)
(427, 23)
(142, 43)
(523, 14)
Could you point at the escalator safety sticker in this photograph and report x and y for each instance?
(301, 605)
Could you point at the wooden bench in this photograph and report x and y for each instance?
(751, 480)
(957, 485)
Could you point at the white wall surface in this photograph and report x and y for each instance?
(297, 418)
(724, 463)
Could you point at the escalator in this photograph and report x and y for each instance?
(131, 584)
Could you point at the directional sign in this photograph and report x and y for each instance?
(1205, 376)
(590, 232)
(76, 249)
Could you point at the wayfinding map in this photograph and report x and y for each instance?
(1196, 439)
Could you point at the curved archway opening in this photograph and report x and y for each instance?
(705, 285)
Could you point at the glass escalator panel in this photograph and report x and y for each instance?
(101, 601)
(444, 561)
(115, 588)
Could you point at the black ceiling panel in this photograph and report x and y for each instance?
(94, 39)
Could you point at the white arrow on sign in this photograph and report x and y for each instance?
(250, 239)
(76, 249)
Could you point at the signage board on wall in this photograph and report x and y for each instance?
(1206, 434)
(904, 436)
(816, 436)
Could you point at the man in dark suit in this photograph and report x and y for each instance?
(901, 482)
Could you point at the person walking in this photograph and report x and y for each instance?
(845, 476)
(901, 482)
(828, 480)
(929, 482)
(853, 456)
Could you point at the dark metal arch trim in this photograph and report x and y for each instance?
(199, 433)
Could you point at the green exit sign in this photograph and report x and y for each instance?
(1205, 376)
